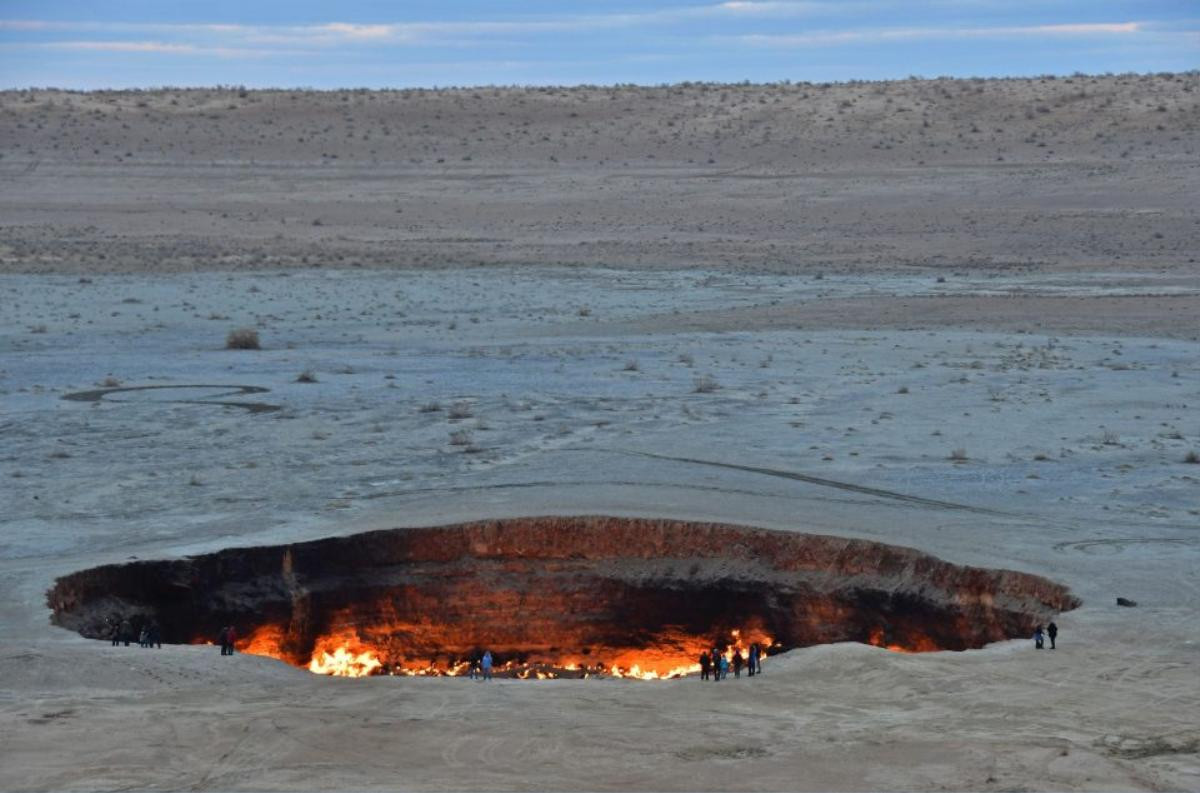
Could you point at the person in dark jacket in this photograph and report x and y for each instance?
(1052, 632)
(705, 665)
(126, 631)
(738, 660)
(1038, 638)
(752, 666)
(716, 664)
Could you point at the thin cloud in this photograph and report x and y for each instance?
(733, 24)
(402, 30)
(122, 27)
(770, 8)
(156, 47)
(121, 46)
(834, 37)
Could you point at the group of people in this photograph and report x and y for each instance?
(481, 666)
(226, 637)
(1039, 637)
(715, 665)
(122, 631)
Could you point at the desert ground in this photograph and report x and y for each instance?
(952, 315)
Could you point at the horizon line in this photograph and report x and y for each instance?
(544, 86)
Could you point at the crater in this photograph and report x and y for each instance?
(558, 597)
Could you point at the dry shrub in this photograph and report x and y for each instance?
(242, 339)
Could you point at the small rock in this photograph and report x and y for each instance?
(1126, 602)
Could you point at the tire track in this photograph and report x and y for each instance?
(823, 482)
(96, 395)
(1111, 547)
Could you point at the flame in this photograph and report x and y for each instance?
(346, 652)
(917, 643)
(343, 655)
(356, 651)
(263, 640)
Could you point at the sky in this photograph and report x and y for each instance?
(91, 44)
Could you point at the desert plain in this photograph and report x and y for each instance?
(952, 315)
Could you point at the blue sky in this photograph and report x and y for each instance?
(260, 43)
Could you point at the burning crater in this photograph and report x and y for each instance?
(558, 597)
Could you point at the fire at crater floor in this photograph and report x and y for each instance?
(559, 597)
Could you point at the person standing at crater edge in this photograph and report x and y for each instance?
(486, 663)
(705, 665)
(752, 666)
(1052, 632)
(1038, 638)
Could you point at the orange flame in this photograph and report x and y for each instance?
(915, 643)
(343, 655)
(347, 652)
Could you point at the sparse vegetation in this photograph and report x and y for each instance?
(242, 339)
(705, 384)
(307, 376)
(460, 410)
(958, 455)
(460, 438)
(1192, 457)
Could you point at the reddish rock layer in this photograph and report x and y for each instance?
(562, 592)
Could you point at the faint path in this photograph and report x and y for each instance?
(237, 390)
(822, 482)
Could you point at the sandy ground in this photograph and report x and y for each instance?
(1067, 376)
(931, 175)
